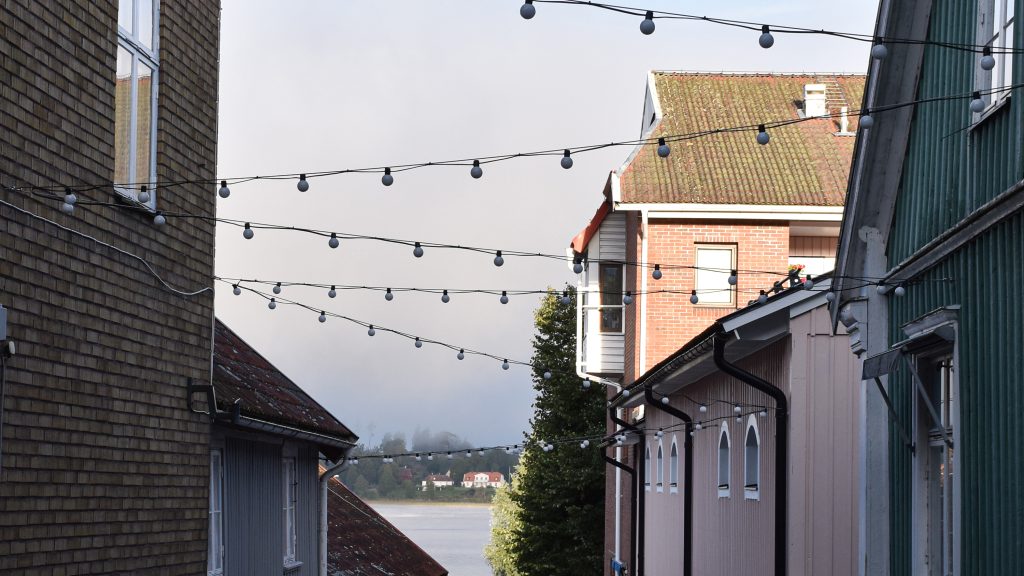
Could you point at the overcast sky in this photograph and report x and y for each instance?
(322, 85)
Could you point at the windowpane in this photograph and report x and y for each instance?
(122, 117)
(661, 467)
(288, 475)
(714, 264)
(723, 461)
(647, 465)
(610, 281)
(752, 460)
(145, 32)
(143, 123)
(215, 556)
(124, 14)
(673, 466)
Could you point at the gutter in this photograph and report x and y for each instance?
(687, 476)
(781, 449)
(282, 430)
(329, 473)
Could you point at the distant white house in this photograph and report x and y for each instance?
(438, 480)
(483, 480)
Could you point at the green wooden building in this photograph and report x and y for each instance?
(930, 284)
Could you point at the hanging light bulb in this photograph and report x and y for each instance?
(565, 300)
(549, 447)
(628, 298)
(418, 458)
(388, 295)
(664, 400)
(739, 418)
(419, 343)
(504, 365)
(626, 392)
(977, 103)
(332, 292)
(577, 265)
(159, 219)
(323, 317)
(333, 242)
(387, 179)
(247, 233)
(277, 288)
(355, 461)
(444, 297)
(762, 413)
(67, 207)
(900, 291)
(586, 384)
(272, 304)
(866, 120)
(236, 290)
(698, 426)
(462, 354)
(480, 452)
(547, 375)
(449, 455)
(879, 51)
(584, 444)
(224, 191)
(703, 409)
(469, 454)
(302, 185)
(476, 171)
(647, 26)
(737, 409)
(660, 433)
(657, 272)
(504, 297)
(498, 260)
(567, 159)
(762, 135)
(663, 148)
(693, 297)
(830, 296)
(987, 61)
(733, 278)
(417, 250)
(430, 456)
(809, 282)
(881, 288)
(528, 10)
(143, 195)
(371, 331)
(766, 40)
(762, 297)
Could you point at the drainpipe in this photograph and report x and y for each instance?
(642, 270)
(781, 448)
(619, 467)
(687, 476)
(639, 512)
(329, 473)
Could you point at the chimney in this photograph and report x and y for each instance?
(844, 121)
(814, 101)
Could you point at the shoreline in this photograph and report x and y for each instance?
(425, 503)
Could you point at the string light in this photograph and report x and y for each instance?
(272, 304)
(693, 297)
(224, 191)
(498, 260)
(830, 296)
(878, 50)
(159, 219)
(647, 26)
(461, 355)
(899, 291)
(419, 343)
(665, 400)
(528, 10)
(387, 179)
(323, 317)
(567, 159)
(388, 295)
(237, 290)
(762, 135)
(277, 288)
(504, 364)
(333, 242)
(737, 409)
(547, 375)
(628, 298)
(332, 292)
(657, 272)
(68, 207)
(417, 250)
(866, 120)
(762, 297)
(302, 185)
(987, 61)
(143, 195)
(809, 283)
(247, 233)
(504, 297)
(444, 297)
(577, 265)
(371, 331)
(977, 103)
(703, 408)
(476, 171)
(733, 278)
(586, 384)
(766, 40)
(762, 413)
(565, 300)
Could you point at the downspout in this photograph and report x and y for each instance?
(642, 270)
(619, 467)
(329, 473)
(781, 448)
(639, 514)
(687, 476)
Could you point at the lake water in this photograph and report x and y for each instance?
(454, 534)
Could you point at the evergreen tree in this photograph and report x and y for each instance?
(505, 525)
(560, 494)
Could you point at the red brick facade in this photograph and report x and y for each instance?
(105, 469)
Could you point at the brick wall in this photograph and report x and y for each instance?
(105, 469)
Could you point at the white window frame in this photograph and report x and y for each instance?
(706, 293)
(755, 492)
(215, 537)
(996, 30)
(661, 467)
(289, 505)
(673, 468)
(647, 467)
(132, 43)
(724, 492)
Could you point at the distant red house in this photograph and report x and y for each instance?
(483, 480)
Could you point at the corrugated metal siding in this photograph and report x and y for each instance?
(985, 279)
(307, 530)
(253, 530)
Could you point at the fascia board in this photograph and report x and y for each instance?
(737, 211)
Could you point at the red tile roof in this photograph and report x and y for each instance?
(491, 476)
(580, 241)
(360, 542)
(804, 164)
(266, 393)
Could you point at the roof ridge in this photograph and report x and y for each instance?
(756, 73)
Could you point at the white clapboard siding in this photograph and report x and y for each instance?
(603, 353)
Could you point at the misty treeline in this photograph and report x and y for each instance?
(402, 479)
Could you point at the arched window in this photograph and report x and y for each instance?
(661, 468)
(673, 467)
(723, 462)
(752, 461)
(647, 467)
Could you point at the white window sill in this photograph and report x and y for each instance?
(673, 490)
(752, 495)
(647, 487)
(989, 111)
(660, 489)
(291, 566)
(723, 493)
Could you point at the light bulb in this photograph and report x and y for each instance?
(657, 272)
(628, 298)
(577, 266)
(430, 456)
(977, 103)
(762, 297)
(625, 393)
(272, 304)
(159, 219)
(476, 171)
(663, 149)
(737, 409)
(418, 458)
(224, 191)
(498, 260)
(703, 409)
(699, 426)
(766, 40)
(647, 26)
(567, 159)
(547, 375)
(586, 384)
(387, 179)
(462, 354)
(444, 297)
(333, 242)
(480, 453)
(277, 288)
(584, 444)
(528, 10)
(469, 454)
(830, 296)
(879, 51)
(332, 292)
(987, 61)
(549, 447)
(900, 291)
(388, 295)
(762, 136)
(143, 196)
(565, 300)
(762, 413)
(664, 400)
(355, 461)
(417, 251)
(419, 343)
(371, 331)
(323, 317)
(693, 297)
(449, 455)
(504, 365)
(866, 120)
(739, 418)
(809, 282)
(733, 278)
(881, 288)
(659, 433)
(67, 208)
(504, 297)
(247, 233)
(236, 290)
(302, 185)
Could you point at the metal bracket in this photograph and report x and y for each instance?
(928, 403)
(211, 401)
(895, 417)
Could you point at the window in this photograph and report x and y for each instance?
(723, 462)
(661, 468)
(995, 31)
(647, 468)
(715, 263)
(288, 476)
(673, 468)
(752, 461)
(215, 550)
(611, 282)
(135, 98)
